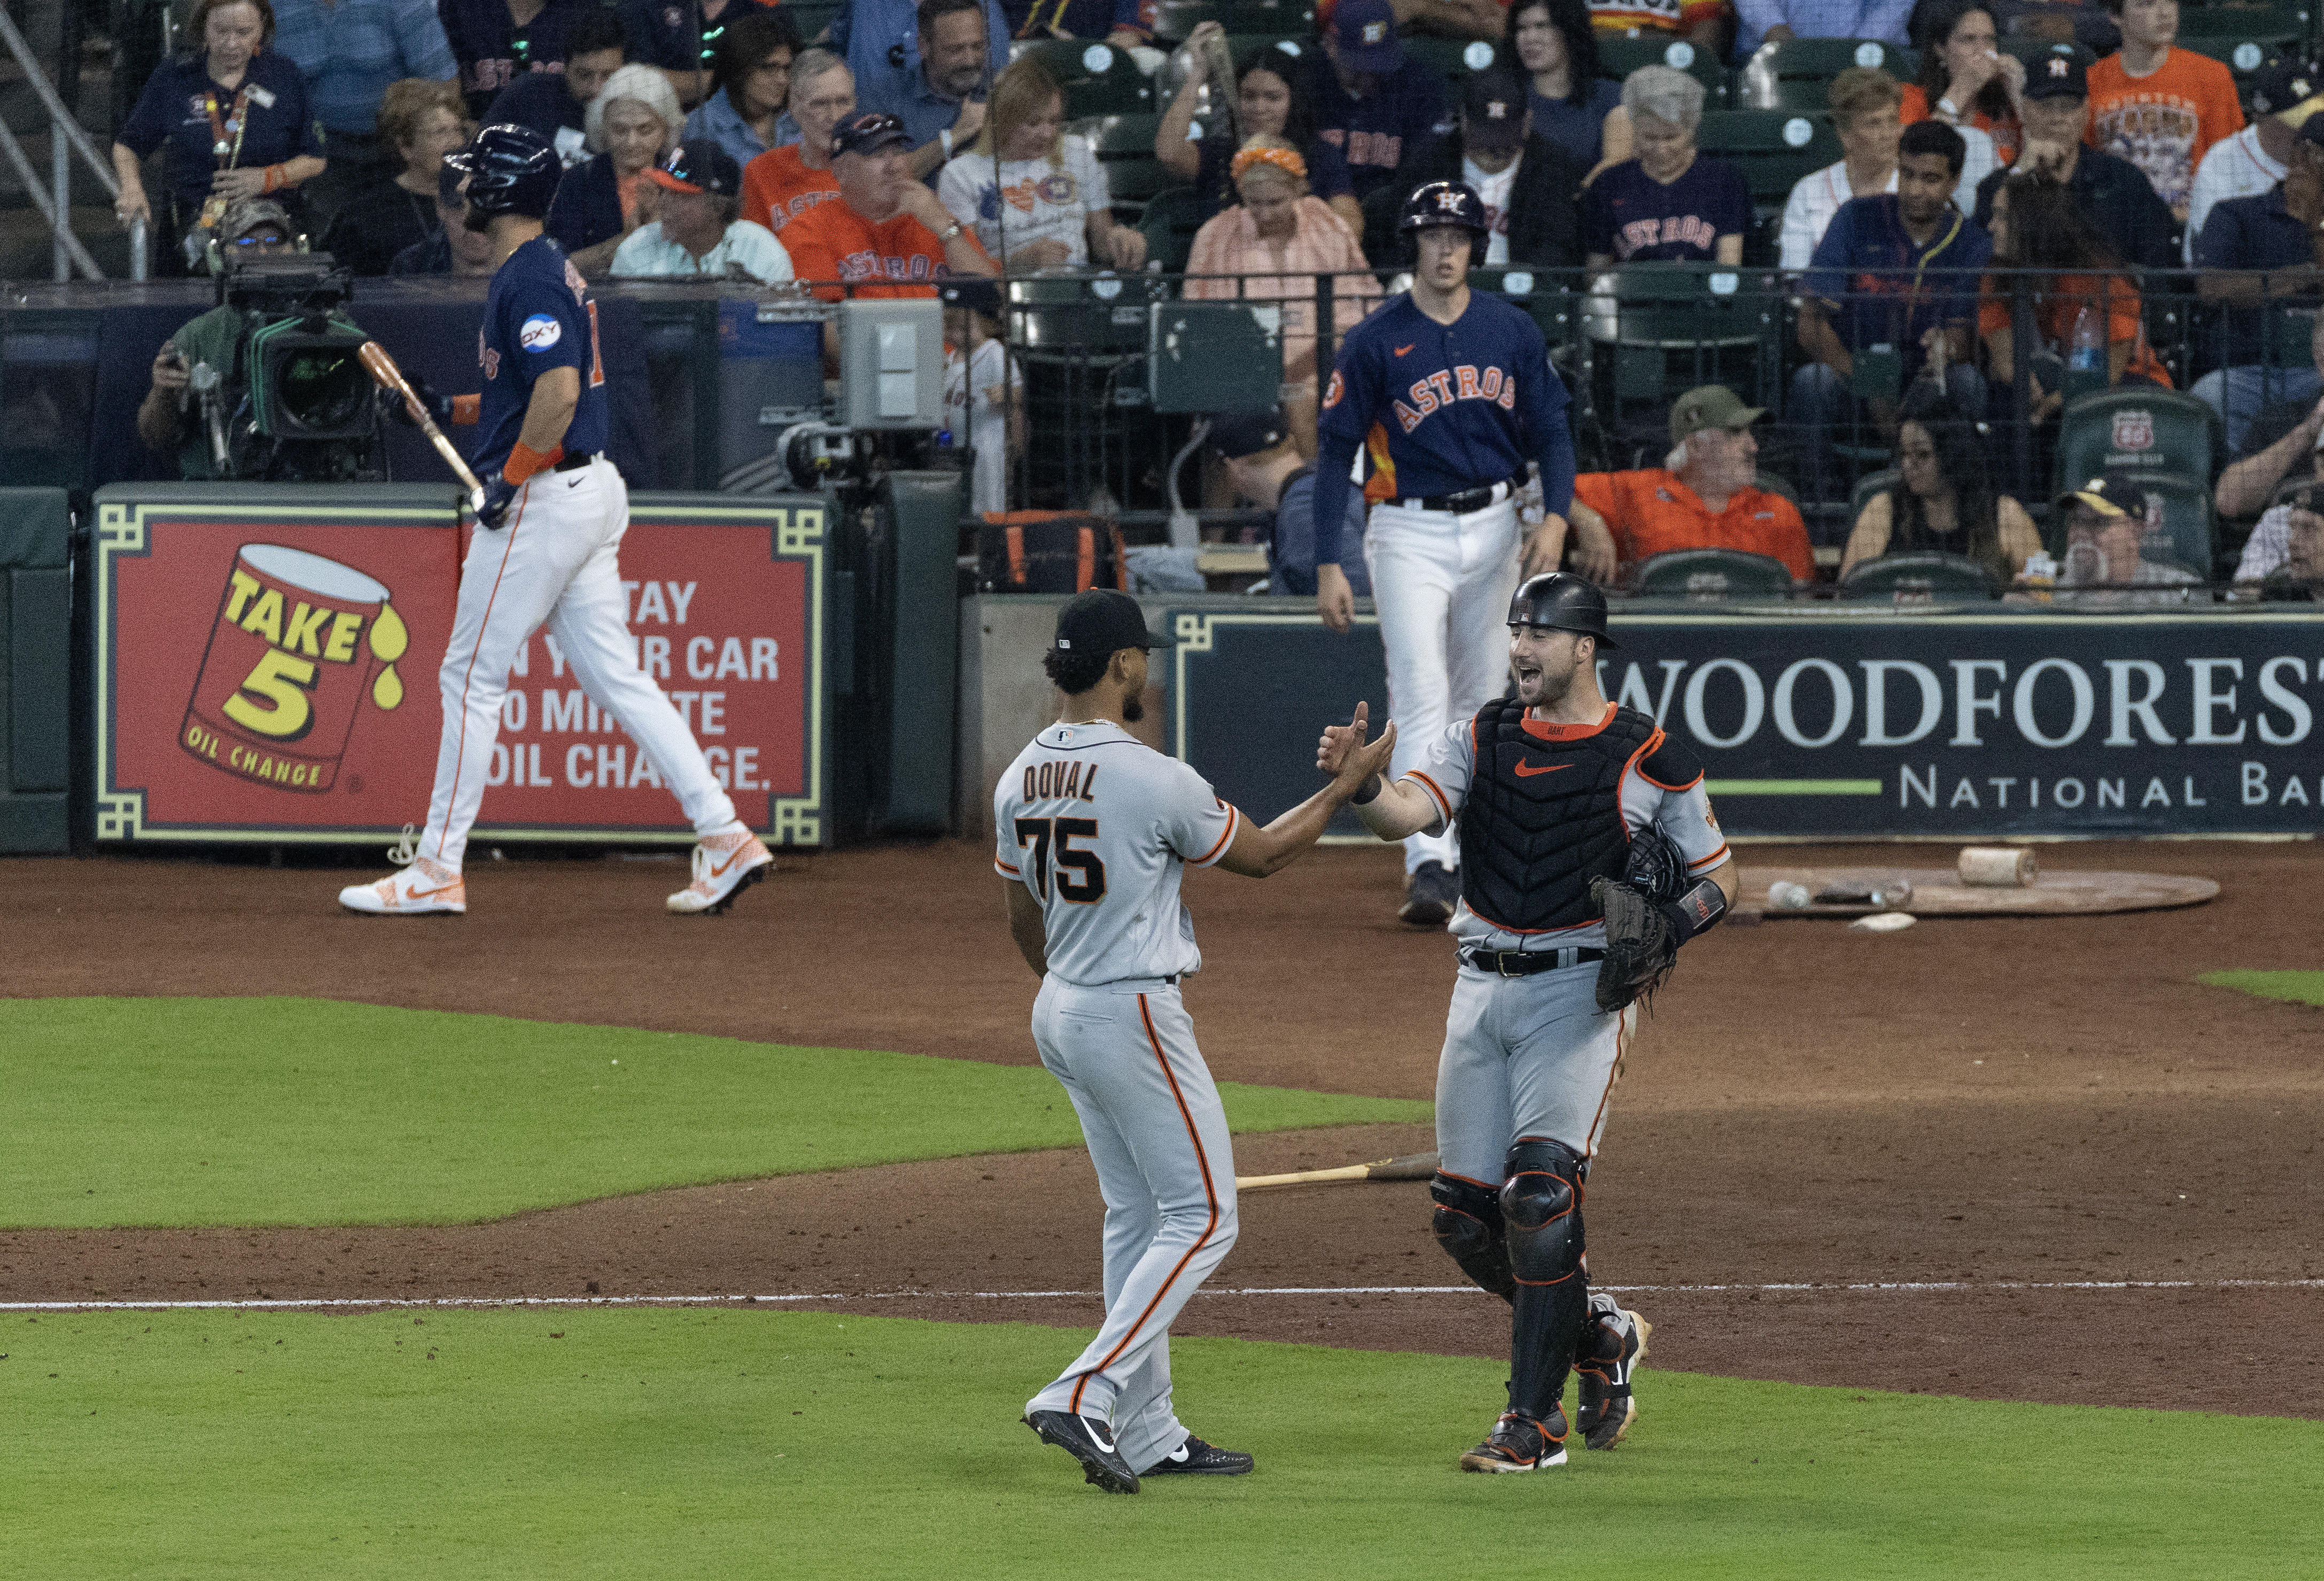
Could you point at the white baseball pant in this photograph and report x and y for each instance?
(1150, 1114)
(1442, 585)
(1526, 1056)
(557, 559)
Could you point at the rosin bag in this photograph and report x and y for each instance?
(299, 646)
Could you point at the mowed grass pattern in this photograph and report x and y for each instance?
(2298, 987)
(284, 1111)
(602, 1443)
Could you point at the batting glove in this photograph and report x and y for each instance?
(499, 495)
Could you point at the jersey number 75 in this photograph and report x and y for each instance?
(1048, 848)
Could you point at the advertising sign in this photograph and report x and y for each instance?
(1856, 721)
(266, 664)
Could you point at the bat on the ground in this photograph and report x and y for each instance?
(381, 368)
(1411, 1166)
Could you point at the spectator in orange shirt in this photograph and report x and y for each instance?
(2159, 107)
(2038, 225)
(783, 183)
(885, 234)
(1702, 497)
(1965, 79)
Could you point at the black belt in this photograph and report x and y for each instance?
(574, 463)
(1526, 962)
(1475, 498)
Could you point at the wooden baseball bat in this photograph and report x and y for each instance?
(382, 369)
(1411, 1166)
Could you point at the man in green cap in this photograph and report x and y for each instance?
(1702, 497)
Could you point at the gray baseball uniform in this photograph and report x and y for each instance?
(1100, 827)
(1533, 1055)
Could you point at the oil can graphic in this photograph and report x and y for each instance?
(300, 643)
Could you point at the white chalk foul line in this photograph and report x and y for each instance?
(326, 1303)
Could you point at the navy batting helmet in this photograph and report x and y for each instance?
(511, 170)
(1561, 601)
(1443, 203)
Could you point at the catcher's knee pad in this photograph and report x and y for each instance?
(1540, 1204)
(1468, 1226)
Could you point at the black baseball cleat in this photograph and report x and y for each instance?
(1605, 1406)
(1520, 1443)
(1196, 1459)
(1088, 1443)
(1429, 896)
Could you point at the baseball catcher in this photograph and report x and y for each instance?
(1588, 856)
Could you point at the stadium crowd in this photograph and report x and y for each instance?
(2008, 215)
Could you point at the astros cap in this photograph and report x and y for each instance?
(1493, 109)
(2284, 85)
(2061, 71)
(868, 134)
(1103, 621)
(1365, 31)
(1235, 435)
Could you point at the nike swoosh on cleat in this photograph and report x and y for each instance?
(720, 871)
(1527, 770)
(431, 893)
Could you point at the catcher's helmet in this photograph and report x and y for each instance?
(1443, 203)
(511, 170)
(1561, 601)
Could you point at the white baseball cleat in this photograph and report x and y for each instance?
(723, 866)
(418, 890)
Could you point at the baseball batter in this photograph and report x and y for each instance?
(552, 517)
(1451, 393)
(1095, 830)
(1589, 843)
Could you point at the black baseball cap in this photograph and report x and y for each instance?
(1365, 31)
(2111, 495)
(1235, 435)
(2061, 71)
(699, 165)
(868, 134)
(1103, 623)
(978, 296)
(2283, 82)
(1493, 109)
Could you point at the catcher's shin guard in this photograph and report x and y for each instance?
(1541, 1205)
(1468, 1226)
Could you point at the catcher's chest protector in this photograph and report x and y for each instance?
(1544, 817)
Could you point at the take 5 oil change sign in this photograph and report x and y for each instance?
(266, 668)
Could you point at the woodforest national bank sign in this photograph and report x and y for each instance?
(1842, 721)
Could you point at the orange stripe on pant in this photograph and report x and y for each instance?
(1209, 1199)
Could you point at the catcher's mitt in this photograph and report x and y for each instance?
(1641, 947)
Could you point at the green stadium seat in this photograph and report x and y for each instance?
(2139, 429)
(1671, 326)
(2188, 534)
(1074, 314)
(1547, 298)
(1867, 486)
(1919, 578)
(1775, 148)
(1794, 74)
(2242, 52)
(1619, 54)
(1098, 78)
(1451, 59)
(1169, 225)
(1125, 146)
(1712, 574)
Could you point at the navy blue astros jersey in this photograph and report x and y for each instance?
(538, 316)
(1443, 406)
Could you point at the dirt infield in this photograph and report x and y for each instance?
(1973, 1104)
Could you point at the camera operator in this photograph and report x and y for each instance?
(170, 417)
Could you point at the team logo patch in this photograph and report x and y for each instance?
(1375, 32)
(1336, 389)
(540, 332)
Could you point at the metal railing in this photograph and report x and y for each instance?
(66, 138)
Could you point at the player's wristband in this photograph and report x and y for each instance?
(1697, 910)
(1371, 792)
(273, 179)
(466, 410)
(524, 461)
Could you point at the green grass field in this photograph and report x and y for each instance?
(182, 1112)
(733, 1442)
(2298, 987)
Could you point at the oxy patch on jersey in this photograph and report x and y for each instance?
(540, 332)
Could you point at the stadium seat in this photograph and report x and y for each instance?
(1867, 486)
(1794, 75)
(1098, 79)
(1169, 225)
(2242, 48)
(1069, 314)
(1918, 578)
(1547, 297)
(1712, 574)
(1671, 326)
(2140, 428)
(1619, 55)
(2188, 533)
(1125, 145)
(1451, 59)
(1775, 148)
(1292, 18)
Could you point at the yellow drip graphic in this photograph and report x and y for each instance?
(388, 640)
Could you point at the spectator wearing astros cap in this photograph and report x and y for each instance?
(1530, 184)
(694, 232)
(1702, 497)
(1370, 102)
